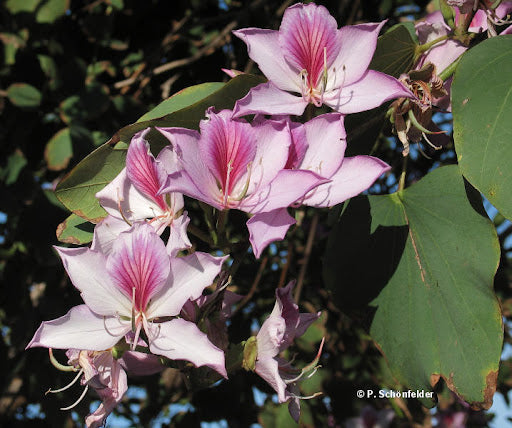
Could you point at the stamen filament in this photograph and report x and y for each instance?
(58, 365)
(77, 401)
(69, 385)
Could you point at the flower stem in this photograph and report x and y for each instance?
(307, 254)
(448, 71)
(198, 233)
(426, 46)
(401, 182)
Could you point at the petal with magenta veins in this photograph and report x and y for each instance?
(227, 147)
(268, 227)
(267, 98)
(373, 89)
(80, 328)
(145, 173)
(189, 276)
(139, 264)
(309, 40)
(355, 175)
(88, 272)
(182, 340)
(194, 179)
(263, 49)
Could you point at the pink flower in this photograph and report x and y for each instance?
(277, 333)
(232, 164)
(325, 157)
(131, 290)
(309, 56)
(133, 196)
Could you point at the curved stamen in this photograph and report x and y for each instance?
(120, 209)
(69, 385)
(58, 365)
(77, 401)
(246, 186)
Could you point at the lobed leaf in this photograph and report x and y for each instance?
(482, 114)
(426, 260)
(75, 230)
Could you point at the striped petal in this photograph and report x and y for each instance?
(143, 170)
(139, 264)
(309, 40)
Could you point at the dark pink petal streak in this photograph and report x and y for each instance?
(139, 261)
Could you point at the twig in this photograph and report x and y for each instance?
(307, 254)
(254, 286)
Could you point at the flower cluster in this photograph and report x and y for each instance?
(142, 289)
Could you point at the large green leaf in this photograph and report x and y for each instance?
(395, 51)
(75, 230)
(78, 188)
(182, 99)
(427, 259)
(76, 191)
(189, 117)
(482, 114)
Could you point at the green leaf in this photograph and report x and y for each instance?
(59, 150)
(17, 6)
(51, 10)
(24, 95)
(182, 99)
(427, 260)
(395, 51)
(189, 117)
(15, 164)
(482, 114)
(75, 230)
(77, 189)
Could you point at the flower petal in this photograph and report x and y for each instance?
(106, 233)
(227, 147)
(146, 174)
(195, 180)
(265, 228)
(80, 328)
(139, 264)
(88, 272)
(358, 43)
(271, 334)
(324, 155)
(269, 99)
(288, 187)
(188, 278)
(268, 369)
(121, 198)
(373, 89)
(182, 340)
(178, 238)
(355, 175)
(309, 40)
(140, 363)
(263, 49)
